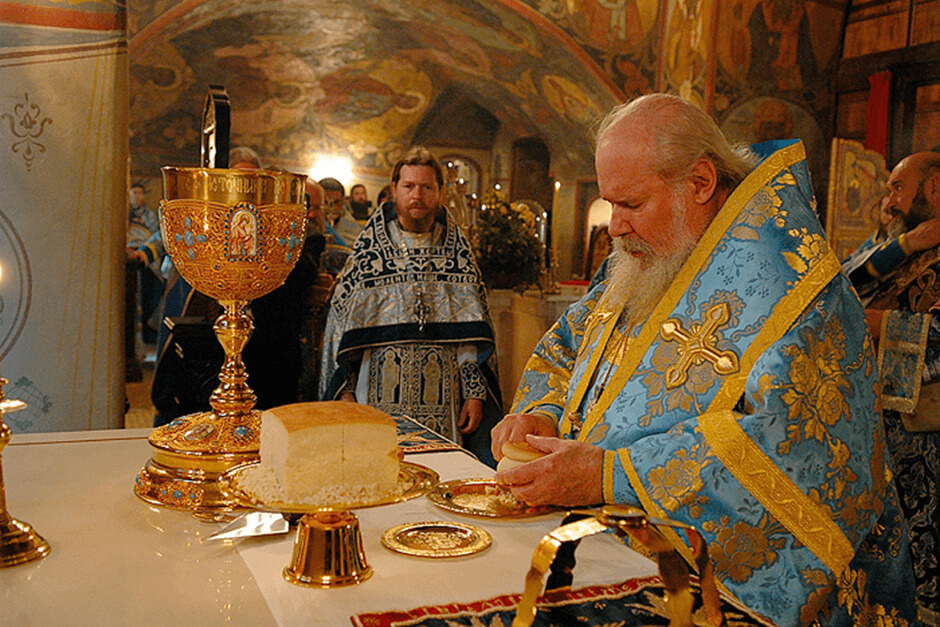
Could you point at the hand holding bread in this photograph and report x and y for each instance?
(559, 472)
(517, 453)
(515, 428)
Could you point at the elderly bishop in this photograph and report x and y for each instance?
(719, 372)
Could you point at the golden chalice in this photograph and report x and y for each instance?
(233, 235)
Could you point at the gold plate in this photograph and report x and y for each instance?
(413, 480)
(483, 497)
(437, 539)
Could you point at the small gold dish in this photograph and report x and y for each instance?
(413, 481)
(483, 497)
(437, 539)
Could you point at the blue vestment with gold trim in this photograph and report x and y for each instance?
(745, 405)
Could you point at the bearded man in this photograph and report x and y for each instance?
(408, 330)
(898, 304)
(899, 236)
(721, 374)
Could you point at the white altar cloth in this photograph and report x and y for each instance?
(118, 560)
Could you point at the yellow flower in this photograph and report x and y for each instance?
(739, 550)
(677, 483)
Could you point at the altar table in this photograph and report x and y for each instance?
(118, 560)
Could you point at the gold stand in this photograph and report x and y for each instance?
(234, 235)
(328, 552)
(556, 552)
(19, 543)
(192, 452)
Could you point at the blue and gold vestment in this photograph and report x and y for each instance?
(745, 405)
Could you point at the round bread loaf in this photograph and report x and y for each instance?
(517, 453)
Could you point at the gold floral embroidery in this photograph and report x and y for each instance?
(854, 598)
(679, 481)
(597, 434)
(816, 392)
(701, 378)
(812, 249)
(817, 599)
(850, 588)
(738, 550)
(766, 205)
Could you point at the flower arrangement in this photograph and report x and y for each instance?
(508, 251)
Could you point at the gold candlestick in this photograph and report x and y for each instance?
(19, 543)
(233, 235)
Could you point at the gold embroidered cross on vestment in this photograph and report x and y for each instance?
(698, 345)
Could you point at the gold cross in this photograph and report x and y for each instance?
(698, 345)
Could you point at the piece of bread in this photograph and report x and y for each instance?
(330, 451)
(517, 453)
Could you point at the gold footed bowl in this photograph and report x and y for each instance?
(328, 551)
(234, 235)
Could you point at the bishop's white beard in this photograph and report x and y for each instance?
(639, 282)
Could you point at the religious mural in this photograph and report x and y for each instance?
(685, 49)
(766, 118)
(363, 77)
(355, 77)
(621, 36)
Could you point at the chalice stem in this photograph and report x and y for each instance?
(4, 516)
(233, 398)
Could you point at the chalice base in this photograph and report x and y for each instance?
(190, 455)
(328, 551)
(20, 544)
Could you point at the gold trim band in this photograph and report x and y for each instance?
(804, 518)
(784, 314)
(652, 508)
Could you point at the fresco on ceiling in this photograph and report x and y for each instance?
(777, 47)
(621, 36)
(358, 76)
(354, 77)
(685, 49)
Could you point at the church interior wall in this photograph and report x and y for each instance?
(362, 78)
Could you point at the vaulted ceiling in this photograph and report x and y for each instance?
(359, 77)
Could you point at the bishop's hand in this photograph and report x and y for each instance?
(514, 428)
(570, 474)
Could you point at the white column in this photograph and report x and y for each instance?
(63, 202)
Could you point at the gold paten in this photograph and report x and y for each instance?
(437, 539)
(483, 497)
(633, 522)
(413, 481)
(328, 549)
(19, 543)
(233, 235)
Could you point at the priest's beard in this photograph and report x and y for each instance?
(639, 282)
(360, 210)
(920, 210)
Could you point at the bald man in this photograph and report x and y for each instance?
(898, 309)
